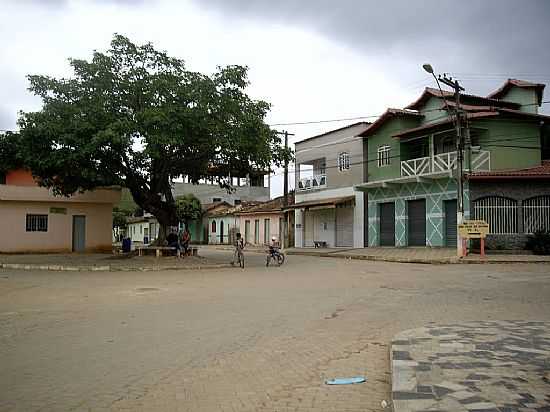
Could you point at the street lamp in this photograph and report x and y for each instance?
(459, 147)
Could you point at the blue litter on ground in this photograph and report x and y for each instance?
(346, 381)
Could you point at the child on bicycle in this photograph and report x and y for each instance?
(239, 246)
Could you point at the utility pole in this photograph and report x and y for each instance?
(285, 191)
(459, 148)
(459, 158)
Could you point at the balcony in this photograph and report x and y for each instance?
(312, 183)
(444, 162)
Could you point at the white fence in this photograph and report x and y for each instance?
(480, 161)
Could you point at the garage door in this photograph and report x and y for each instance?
(344, 226)
(387, 224)
(417, 222)
(450, 223)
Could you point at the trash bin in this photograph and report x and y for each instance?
(127, 245)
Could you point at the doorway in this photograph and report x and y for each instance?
(79, 233)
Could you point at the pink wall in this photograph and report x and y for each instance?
(273, 226)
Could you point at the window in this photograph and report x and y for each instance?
(216, 199)
(500, 212)
(536, 214)
(237, 202)
(2, 178)
(343, 161)
(37, 223)
(384, 155)
(213, 226)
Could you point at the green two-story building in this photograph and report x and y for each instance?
(412, 174)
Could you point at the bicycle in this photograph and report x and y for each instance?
(276, 255)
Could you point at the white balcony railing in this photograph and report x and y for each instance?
(480, 161)
(313, 182)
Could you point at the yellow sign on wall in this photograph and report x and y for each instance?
(473, 229)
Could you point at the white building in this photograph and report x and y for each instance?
(327, 209)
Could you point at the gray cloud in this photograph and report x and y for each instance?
(465, 37)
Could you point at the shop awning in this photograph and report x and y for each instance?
(328, 203)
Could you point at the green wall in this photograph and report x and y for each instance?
(513, 143)
(384, 137)
(435, 193)
(525, 97)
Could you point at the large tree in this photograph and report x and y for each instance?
(136, 117)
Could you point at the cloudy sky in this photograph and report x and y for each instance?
(313, 60)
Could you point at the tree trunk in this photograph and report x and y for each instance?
(163, 232)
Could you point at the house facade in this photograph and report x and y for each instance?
(411, 176)
(222, 223)
(33, 219)
(327, 208)
(258, 224)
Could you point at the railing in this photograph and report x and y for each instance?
(480, 161)
(313, 182)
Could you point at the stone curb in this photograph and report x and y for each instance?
(107, 268)
(443, 261)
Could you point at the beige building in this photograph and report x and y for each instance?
(32, 219)
(327, 209)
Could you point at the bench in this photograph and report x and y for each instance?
(159, 250)
(319, 243)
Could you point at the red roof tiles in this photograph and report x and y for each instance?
(537, 172)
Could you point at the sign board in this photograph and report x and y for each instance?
(58, 210)
(473, 229)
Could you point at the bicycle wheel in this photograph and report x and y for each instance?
(280, 259)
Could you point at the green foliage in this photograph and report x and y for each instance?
(120, 217)
(136, 117)
(539, 242)
(188, 207)
(10, 152)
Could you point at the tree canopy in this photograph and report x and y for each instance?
(136, 117)
(188, 207)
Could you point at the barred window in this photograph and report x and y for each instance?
(213, 226)
(343, 161)
(536, 214)
(37, 223)
(499, 212)
(383, 155)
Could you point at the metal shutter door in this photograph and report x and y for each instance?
(450, 223)
(387, 224)
(344, 226)
(417, 222)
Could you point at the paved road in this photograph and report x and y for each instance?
(259, 339)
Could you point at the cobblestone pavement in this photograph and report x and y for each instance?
(496, 366)
(258, 339)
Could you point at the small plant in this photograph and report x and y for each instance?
(539, 242)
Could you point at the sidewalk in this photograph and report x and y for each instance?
(482, 366)
(107, 262)
(414, 255)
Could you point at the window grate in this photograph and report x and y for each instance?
(499, 212)
(383, 155)
(343, 161)
(37, 223)
(536, 214)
